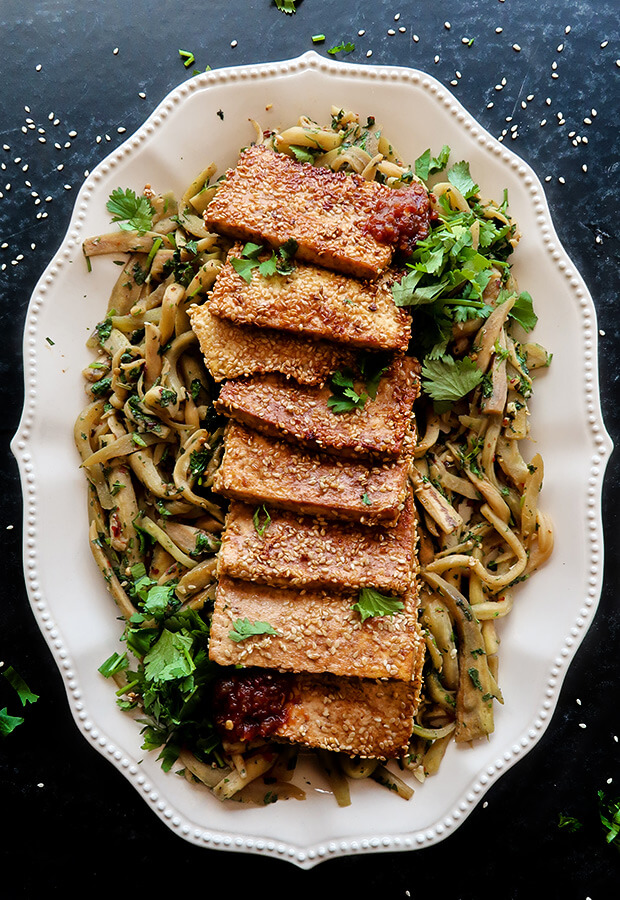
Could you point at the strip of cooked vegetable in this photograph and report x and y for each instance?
(151, 443)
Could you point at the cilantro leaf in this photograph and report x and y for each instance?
(170, 657)
(347, 47)
(449, 379)
(243, 629)
(609, 813)
(460, 177)
(287, 6)
(19, 685)
(133, 213)
(426, 164)
(523, 311)
(8, 723)
(569, 822)
(371, 603)
(302, 154)
(345, 397)
(117, 662)
(408, 293)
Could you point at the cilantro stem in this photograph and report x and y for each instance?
(127, 687)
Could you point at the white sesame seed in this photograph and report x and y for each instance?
(516, 48)
(233, 43)
(121, 129)
(567, 29)
(416, 38)
(447, 26)
(562, 180)
(587, 121)
(391, 31)
(490, 105)
(554, 65)
(498, 87)
(554, 75)
(397, 17)
(67, 144)
(38, 68)
(402, 29)
(6, 147)
(56, 122)
(509, 118)
(548, 101)
(523, 104)
(582, 725)
(604, 44)
(362, 32)
(115, 51)
(560, 47)
(593, 112)
(72, 134)
(26, 109)
(618, 63)
(584, 168)
(454, 82)
(67, 187)
(584, 140)
(572, 134)
(60, 167)
(369, 53)
(48, 199)
(543, 122)
(530, 97)
(142, 95)
(547, 177)
(458, 74)
(498, 30)
(436, 60)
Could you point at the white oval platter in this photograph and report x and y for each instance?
(208, 118)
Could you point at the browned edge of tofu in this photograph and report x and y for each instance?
(301, 414)
(268, 197)
(307, 552)
(231, 351)
(258, 469)
(314, 302)
(315, 631)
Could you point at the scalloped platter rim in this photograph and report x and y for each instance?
(207, 118)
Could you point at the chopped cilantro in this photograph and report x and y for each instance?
(371, 603)
(287, 6)
(609, 814)
(426, 164)
(8, 723)
(347, 47)
(243, 629)
(280, 262)
(345, 398)
(460, 177)
(261, 519)
(19, 685)
(132, 213)
(188, 58)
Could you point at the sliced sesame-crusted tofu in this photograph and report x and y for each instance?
(358, 716)
(271, 198)
(232, 350)
(315, 631)
(303, 551)
(314, 302)
(259, 469)
(272, 405)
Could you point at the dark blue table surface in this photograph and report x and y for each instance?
(77, 78)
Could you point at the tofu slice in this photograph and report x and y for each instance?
(314, 302)
(232, 350)
(306, 552)
(271, 198)
(358, 716)
(258, 469)
(316, 632)
(274, 406)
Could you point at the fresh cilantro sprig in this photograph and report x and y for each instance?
(426, 164)
(8, 722)
(371, 603)
(446, 380)
(279, 262)
(131, 212)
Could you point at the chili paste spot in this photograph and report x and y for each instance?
(250, 703)
(401, 217)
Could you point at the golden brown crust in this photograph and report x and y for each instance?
(285, 410)
(371, 719)
(270, 198)
(306, 552)
(316, 631)
(314, 302)
(232, 350)
(259, 469)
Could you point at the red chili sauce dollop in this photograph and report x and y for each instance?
(250, 704)
(401, 217)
